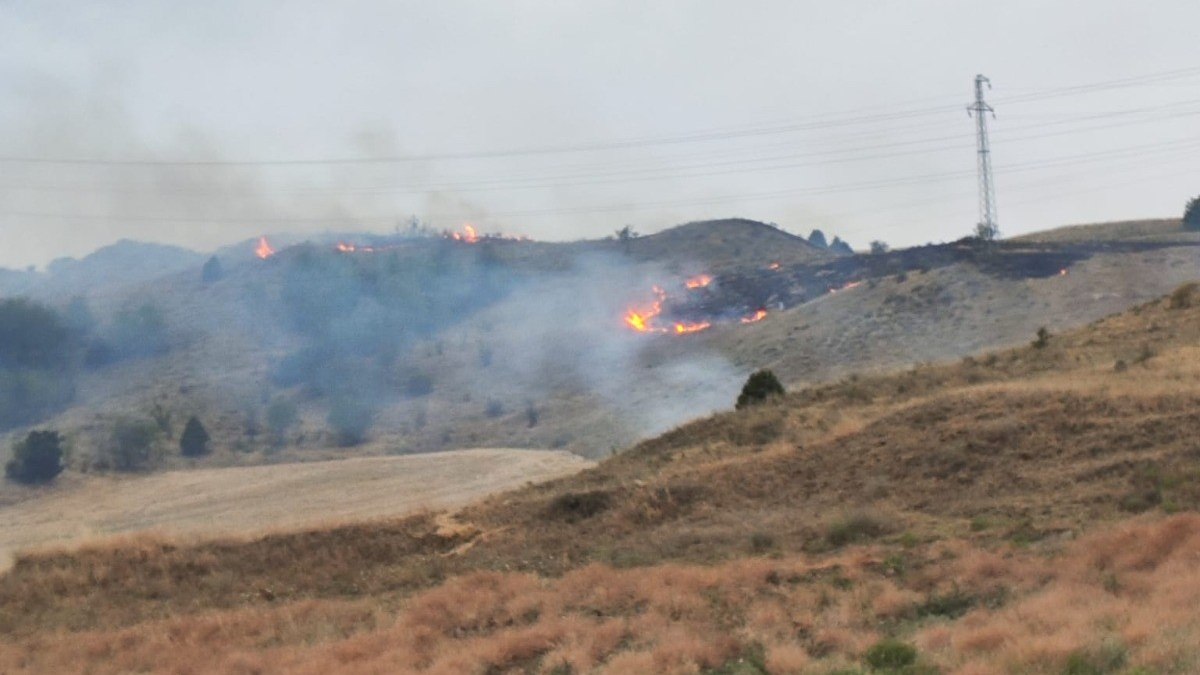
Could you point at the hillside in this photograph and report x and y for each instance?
(983, 511)
(1152, 229)
(512, 343)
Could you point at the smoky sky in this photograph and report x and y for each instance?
(561, 120)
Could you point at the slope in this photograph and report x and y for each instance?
(939, 505)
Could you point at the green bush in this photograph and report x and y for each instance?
(193, 442)
(759, 387)
(131, 445)
(891, 655)
(1191, 214)
(31, 336)
(37, 459)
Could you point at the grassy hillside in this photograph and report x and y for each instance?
(1151, 229)
(1011, 512)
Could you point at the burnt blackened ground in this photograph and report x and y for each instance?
(775, 286)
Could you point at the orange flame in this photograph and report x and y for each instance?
(639, 319)
(757, 316)
(773, 266)
(263, 250)
(681, 328)
(699, 282)
(1062, 272)
(468, 235)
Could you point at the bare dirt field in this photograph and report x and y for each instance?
(247, 500)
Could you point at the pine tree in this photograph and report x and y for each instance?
(194, 440)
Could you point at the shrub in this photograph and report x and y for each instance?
(878, 247)
(891, 655)
(31, 335)
(37, 459)
(28, 395)
(1184, 296)
(211, 272)
(857, 526)
(759, 387)
(193, 442)
(132, 444)
(1109, 657)
(1042, 339)
(1191, 214)
(761, 542)
(575, 506)
(817, 238)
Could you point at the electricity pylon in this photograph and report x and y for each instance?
(988, 227)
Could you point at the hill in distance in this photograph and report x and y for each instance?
(1024, 510)
(546, 360)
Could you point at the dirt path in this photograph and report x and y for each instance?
(244, 500)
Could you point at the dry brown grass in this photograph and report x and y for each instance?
(1123, 594)
(711, 545)
(254, 500)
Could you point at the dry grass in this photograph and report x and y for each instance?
(975, 510)
(249, 500)
(1124, 595)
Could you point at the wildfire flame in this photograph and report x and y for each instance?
(639, 319)
(468, 235)
(701, 281)
(757, 316)
(1062, 272)
(263, 250)
(681, 328)
(773, 266)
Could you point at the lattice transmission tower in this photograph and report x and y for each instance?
(988, 227)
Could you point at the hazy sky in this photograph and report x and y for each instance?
(561, 120)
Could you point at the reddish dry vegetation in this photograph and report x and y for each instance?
(982, 512)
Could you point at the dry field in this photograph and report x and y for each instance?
(1025, 511)
(248, 500)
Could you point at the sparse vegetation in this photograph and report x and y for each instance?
(703, 550)
(131, 446)
(879, 247)
(37, 459)
(762, 385)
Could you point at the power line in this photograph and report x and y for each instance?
(684, 171)
(1184, 147)
(820, 122)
